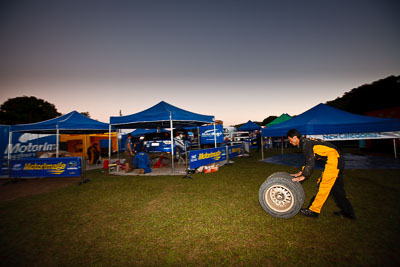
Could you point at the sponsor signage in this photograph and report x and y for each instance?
(205, 157)
(207, 134)
(356, 136)
(235, 151)
(49, 167)
(25, 145)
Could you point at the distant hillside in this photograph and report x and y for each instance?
(380, 94)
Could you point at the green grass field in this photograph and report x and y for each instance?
(212, 219)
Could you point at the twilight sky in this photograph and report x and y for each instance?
(236, 60)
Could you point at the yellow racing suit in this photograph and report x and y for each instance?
(331, 179)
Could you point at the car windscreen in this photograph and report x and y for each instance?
(157, 136)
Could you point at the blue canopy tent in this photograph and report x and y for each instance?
(323, 119)
(249, 126)
(71, 123)
(328, 123)
(162, 115)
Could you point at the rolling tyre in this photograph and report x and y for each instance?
(280, 197)
(286, 175)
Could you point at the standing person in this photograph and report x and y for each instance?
(93, 154)
(128, 153)
(269, 142)
(89, 153)
(258, 140)
(332, 175)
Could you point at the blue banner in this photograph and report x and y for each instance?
(25, 145)
(235, 151)
(46, 167)
(204, 157)
(207, 134)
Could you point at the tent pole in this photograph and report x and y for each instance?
(9, 153)
(109, 142)
(172, 142)
(215, 137)
(57, 141)
(85, 150)
(117, 134)
(262, 147)
(9, 145)
(394, 146)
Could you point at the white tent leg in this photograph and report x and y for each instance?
(9, 153)
(86, 148)
(215, 137)
(9, 145)
(198, 137)
(394, 146)
(172, 142)
(109, 143)
(262, 147)
(57, 142)
(171, 125)
(117, 134)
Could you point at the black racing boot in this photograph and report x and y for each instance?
(309, 213)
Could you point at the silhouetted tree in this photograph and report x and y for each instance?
(86, 113)
(380, 94)
(268, 120)
(26, 109)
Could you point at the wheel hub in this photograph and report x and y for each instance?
(279, 198)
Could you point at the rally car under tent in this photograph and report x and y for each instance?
(161, 115)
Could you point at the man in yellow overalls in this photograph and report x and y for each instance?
(332, 176)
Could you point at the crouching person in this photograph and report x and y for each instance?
(142, 162)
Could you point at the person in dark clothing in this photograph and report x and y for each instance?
(142, 161)
(332, 175)
(129, 153)
(93, 154)
(89, 153)
(138, 146)
(258, 140)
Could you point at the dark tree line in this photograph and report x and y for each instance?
(378, 95)
(26, 109)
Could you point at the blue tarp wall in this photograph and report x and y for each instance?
(25, 145)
